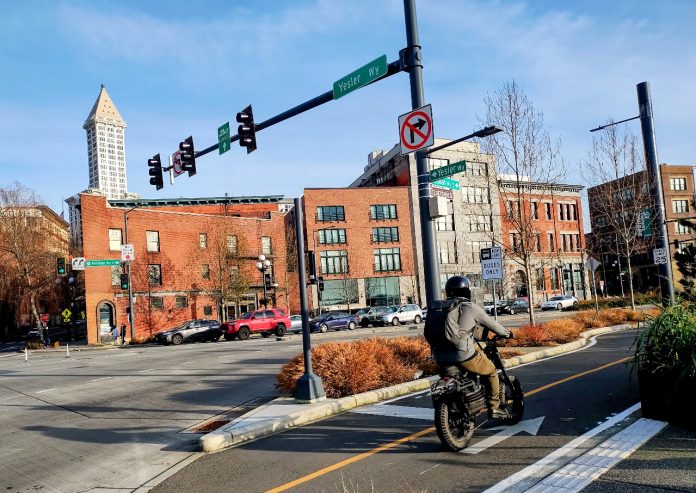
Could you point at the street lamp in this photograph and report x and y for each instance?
(263, 265)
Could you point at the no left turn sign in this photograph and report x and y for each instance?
(416, 129)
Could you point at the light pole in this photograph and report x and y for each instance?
(130, 289)
(263, 265)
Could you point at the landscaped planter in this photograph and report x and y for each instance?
(666, 398)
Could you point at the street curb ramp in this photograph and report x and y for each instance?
(285, 413)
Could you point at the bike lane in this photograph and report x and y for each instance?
(396, 449)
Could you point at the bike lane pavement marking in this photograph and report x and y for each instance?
(381, 448)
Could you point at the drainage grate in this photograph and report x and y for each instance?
(225, 417)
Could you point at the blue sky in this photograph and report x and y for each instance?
(179, 68)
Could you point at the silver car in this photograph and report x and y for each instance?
(295, 324)
(402, 314)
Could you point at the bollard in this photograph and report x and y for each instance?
(67, 349)
(26, 355)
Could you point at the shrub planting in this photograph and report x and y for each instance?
(591, 320)
(562, 330)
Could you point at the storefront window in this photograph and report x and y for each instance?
(382, 291)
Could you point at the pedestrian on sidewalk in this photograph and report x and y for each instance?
(46, 336)
(114, 334)
(123, 333)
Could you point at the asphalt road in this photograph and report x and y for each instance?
(339, 454)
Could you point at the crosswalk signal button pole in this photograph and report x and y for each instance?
(155, 171)
(246, 129)
(188, 156)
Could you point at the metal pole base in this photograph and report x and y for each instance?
(309, 389)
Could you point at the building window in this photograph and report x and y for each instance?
(334, 261)
(475, 195)
(547, 210)
(561, 212)
(116, 272)
(540, 279)
(382, 291)
(537, 242)
(387, 259)
(677, 183)
(435, 163)
(156, 303)
(535, 210)
(515, 242)
(552, 243)
(208, 311)
(332, 236)
(340, 292)
(115, 240)
(385, 235)
(328, 213)
(553, 278)
(473, 251)
(234, 273)
(232, 244)
(154, 274)
(379, 212)
(574, 212)
(266, 245)
(447, 252)
(181, 302)
(479, 223)
(444, 223)
(203, 241)
(205, 271)
(682, 229)
(680, 206)
(152, 238)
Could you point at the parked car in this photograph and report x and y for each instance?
(424, 312)
(559, 302)
(363, 319)
(191, 330)
(264, 322)
(370, 318)
(401, 314)
(295, 324)
(333, 320)
(520, 305)
(488, 307)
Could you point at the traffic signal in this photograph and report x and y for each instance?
(267, 281)
(60, 267)
(155, 171)
(320, 284)
(247, 130)
(124, 281)
(188, 156)
(312, 265)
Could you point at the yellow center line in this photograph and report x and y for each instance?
(381, 448)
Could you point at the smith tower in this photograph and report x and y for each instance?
(106, 148)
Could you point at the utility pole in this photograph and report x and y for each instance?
(648, 129)
(130, 284)
(411, 59)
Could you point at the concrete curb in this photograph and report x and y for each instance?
(254, 425)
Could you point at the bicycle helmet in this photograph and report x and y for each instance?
(458, 287)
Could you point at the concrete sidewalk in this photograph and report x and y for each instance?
(284, 413)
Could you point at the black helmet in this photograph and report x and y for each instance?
(458, 287)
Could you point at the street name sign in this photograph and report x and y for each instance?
(127, 253)
(447, 183)
(361, 77)
(416, 129)
(111, 262)
(224, 138)
(78, 263)
(449, 170)
(443, 192)
(660, 255)
(491, 263)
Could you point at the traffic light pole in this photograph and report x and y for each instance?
(411, 57)
(130, 284)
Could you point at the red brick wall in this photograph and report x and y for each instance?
(180, 258)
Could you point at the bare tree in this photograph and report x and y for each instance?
(27, 257)
(619, 195)
(529, 164)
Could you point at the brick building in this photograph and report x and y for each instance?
(194, 258)
(363, 241)
(552, 230)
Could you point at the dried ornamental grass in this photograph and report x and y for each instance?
(614, 316)
(528, 335)
(591, 320)
(562, 330)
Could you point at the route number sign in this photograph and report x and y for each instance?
(416, 129)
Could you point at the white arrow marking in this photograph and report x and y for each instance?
(530, 426)
(424, 413)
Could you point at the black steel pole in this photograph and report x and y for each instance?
(655, 180)
(414, 66)
(130, 288)
(309, 387)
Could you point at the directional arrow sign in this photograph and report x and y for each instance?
(530, 426)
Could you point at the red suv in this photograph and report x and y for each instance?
(266, 322)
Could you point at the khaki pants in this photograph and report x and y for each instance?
(481, 365)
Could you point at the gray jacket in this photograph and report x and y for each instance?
(470, 316)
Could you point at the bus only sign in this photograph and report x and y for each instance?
(491, 263)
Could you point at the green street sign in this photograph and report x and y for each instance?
(364, 75)
(447, 183)
(646, 223)
(449, 170)
(111, 262)
(224, 138)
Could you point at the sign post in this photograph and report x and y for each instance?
(492, 269)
